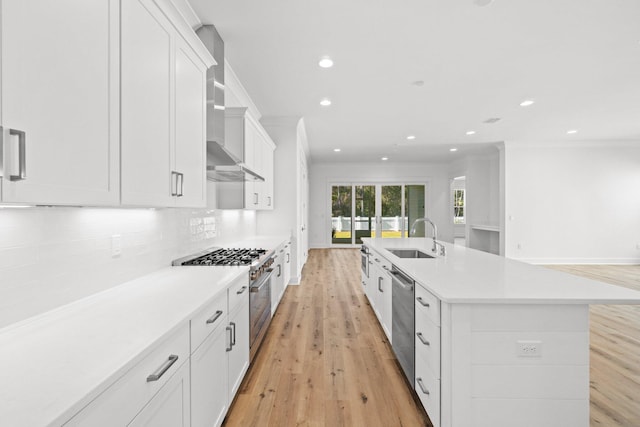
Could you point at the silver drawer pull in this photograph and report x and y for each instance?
(233, 336)
(228, 328)
(380, 284)
(421, 301)
(242, 289)
(162, 369)
(214, 317)
(421, 337)
(22, 155)
(422, 387)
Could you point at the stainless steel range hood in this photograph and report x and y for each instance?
(222, 165)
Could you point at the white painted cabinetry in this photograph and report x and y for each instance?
(155, 392)
(427, 352)
(220, 354)
(163, 111)
(59, 96)
(245, 138)
(287, 263)
(378, 290)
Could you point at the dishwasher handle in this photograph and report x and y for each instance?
(401, 279)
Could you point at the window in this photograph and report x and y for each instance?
(458, 206)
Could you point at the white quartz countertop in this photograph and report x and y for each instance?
(466, 275)
(54, 364)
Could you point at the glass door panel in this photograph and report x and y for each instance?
(365, 211)
(414, 208)
(391, 211)
(341, 223)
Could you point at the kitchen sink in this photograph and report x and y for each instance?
(409, 253)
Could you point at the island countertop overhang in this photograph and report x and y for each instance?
(470, 276)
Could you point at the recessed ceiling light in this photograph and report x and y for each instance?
(572, 131)
(326, 62)
(471, 132)
(411, 137)
(453, 149)
(325, 102)
(384, 158)
(337, 150)
(526, 103)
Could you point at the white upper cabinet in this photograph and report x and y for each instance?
(163, 111)
(59, 102)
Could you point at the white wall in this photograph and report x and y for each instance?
(576, 203)
(322, 176)
(53, 256)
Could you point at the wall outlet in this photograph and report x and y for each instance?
(529, 348)
(116, 245)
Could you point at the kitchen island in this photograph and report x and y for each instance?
(504, 343)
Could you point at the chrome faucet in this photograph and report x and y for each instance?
(435, 234)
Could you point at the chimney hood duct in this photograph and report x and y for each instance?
(222, 165)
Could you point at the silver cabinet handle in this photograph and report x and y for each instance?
(380, 284)
(421, 337)
(281, 250)
(385, 267)
(181, 177)
(256, 198)
(364, 283)
(242, 289)
(421, 301)
(233, 336)
(377, 260)
(279, 270)
(422, 387)
(22, 155)
(228, 328)
(174, 179)
(269, 198)
(288, 257)
(162, 369)
(214, 317)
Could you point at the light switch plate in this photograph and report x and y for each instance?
(116, 245)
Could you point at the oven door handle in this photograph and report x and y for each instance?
(264, 279)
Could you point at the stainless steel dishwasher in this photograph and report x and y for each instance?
(403, 321)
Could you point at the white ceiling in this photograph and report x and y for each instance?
(579, 60)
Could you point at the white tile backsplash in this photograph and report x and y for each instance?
(52, 256)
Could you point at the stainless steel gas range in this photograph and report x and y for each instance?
(260, 263)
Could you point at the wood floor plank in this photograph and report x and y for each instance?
(614, 349)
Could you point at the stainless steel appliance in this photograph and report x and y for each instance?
(260, 271)
(364, 259)
(403, 320)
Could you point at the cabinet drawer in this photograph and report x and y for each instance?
(238, 291)
(428, 344)
(428, 389)
(208, 320)
(427, 303)
(120, 403)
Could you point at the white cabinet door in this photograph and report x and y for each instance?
(190, 111)
(239, 353)
(287, 264)
(146, 106)
(59, 102)
(209, 379)
(277, 281)
(170, 407)
(385, 301)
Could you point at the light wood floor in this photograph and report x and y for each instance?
(615, 349)
(326, 362)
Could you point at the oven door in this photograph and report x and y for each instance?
(259, 310)
(364, 257)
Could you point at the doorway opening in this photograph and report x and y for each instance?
(375, 210)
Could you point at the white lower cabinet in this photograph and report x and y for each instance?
(277, 281)
(155, 392)
(209, 381)
(428, 352)
(220, 360)
(428, 389)
(239, 353)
